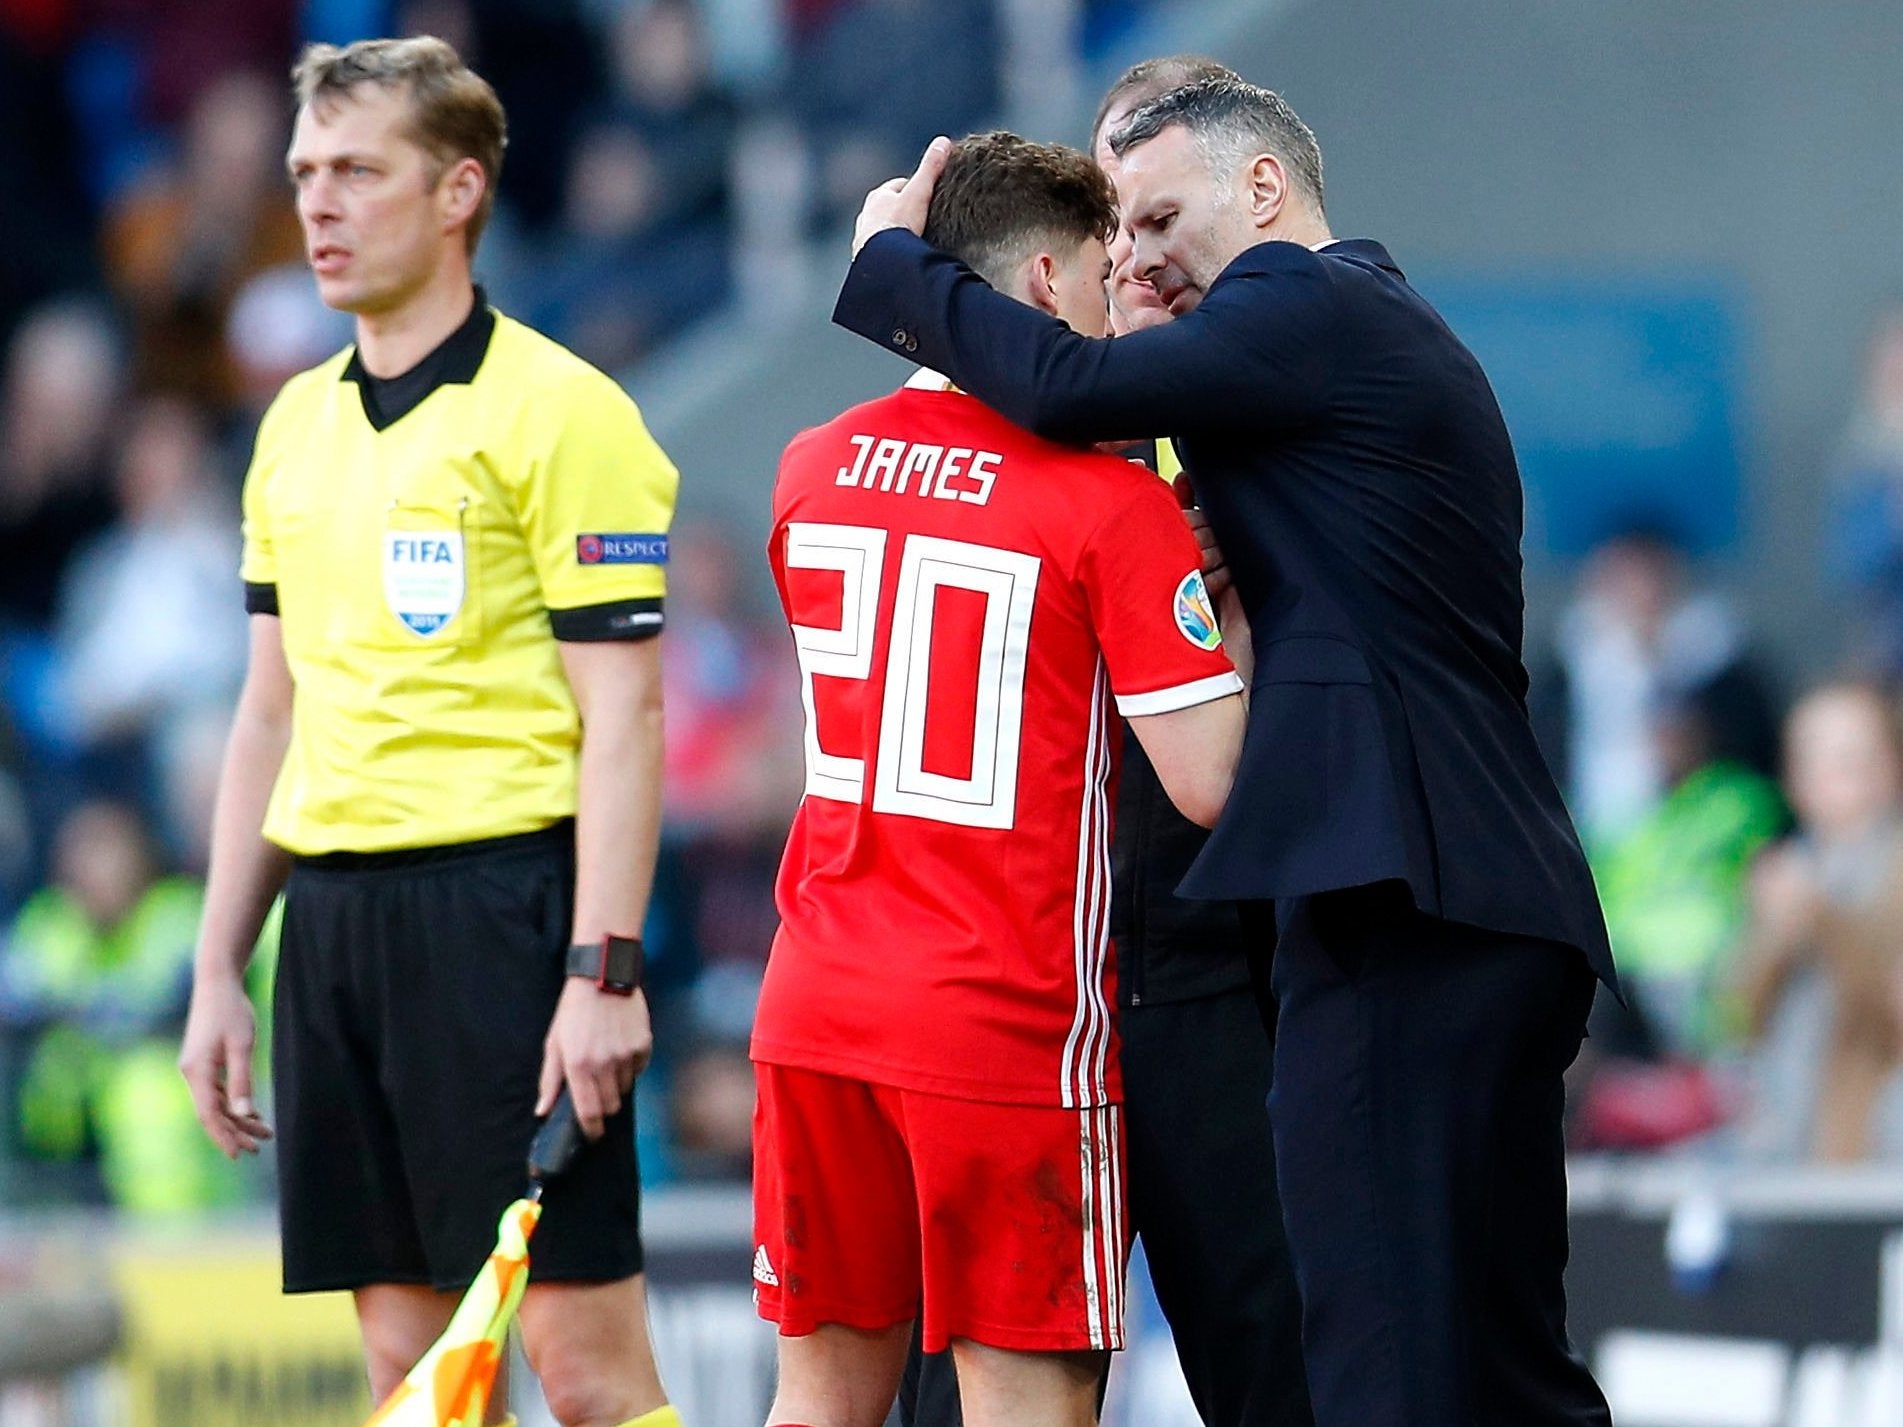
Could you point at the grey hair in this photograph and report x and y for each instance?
(1231, 121)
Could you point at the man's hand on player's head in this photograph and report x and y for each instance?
(598, 1043)
(902, 202)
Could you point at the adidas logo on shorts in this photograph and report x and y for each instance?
(763, 1268)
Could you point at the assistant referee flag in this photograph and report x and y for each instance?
(451, 1383)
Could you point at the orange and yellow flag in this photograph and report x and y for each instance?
(450, 1384)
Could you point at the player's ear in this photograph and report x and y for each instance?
(460, 191)
(1041, 283)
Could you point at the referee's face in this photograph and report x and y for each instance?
(371, 201)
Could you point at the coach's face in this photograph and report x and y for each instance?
(1187, 223)
(379, 213)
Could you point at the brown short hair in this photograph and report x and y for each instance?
(1151, 78)
(454, 114)
(1231, 121)
(1002, 197)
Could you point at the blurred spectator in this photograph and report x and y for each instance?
(185, 789)
(186, 47)
(746, 40)
(732, 777)
(61, 387)
(1106, 22)
(94, 981)
(1823, 977)
(660, 86)
(151, 629)
(1865, 549)
(771, 267)
(181, 244)
(807, 18)
(1674, 893)
(16, 825)
(279, 327)
(1041, 64)
(338, 22)
(546, 65)
(44, 217)
(450, 20)
(732, 754)
(617, 278)
(642, 248)
(712, 1111)
(1635, 639)
(875, 80)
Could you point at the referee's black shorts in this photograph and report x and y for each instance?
(414, 991)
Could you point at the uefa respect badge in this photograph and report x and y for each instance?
(621, 549)
(1196, 614)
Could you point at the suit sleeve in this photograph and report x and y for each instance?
(1141, 572)
(1255, 355)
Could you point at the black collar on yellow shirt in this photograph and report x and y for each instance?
(453, 362)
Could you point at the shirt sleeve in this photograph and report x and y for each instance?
(257, 565)
(1142, 573)
(595, 509)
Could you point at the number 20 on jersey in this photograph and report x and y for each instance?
(901, 783)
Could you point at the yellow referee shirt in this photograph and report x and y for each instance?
(426, 543)
(1169, 465)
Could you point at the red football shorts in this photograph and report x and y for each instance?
(1003, 1224)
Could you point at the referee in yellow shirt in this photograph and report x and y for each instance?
(447, 753)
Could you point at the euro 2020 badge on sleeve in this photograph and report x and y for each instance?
(1196, 614)
(424, 578)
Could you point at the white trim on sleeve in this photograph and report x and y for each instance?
(1182, 696)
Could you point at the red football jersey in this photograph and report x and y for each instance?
(966, 600)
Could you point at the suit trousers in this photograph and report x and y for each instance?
(1201, 1171)
(1417, 1114)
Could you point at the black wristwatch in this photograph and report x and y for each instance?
(614, 963)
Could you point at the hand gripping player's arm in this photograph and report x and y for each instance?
(246, 872)
(1159, 634)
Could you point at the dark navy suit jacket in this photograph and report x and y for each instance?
(1355, 467)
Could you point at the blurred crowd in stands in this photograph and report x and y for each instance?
(669, 158)
(1747, 835)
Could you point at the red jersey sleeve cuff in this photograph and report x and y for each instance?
(1180, 696)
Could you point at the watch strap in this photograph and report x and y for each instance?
(615, 963)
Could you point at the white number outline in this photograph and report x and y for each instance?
(1008, 581)
(858, 553)
(902, 785)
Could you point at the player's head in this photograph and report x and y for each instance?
(1133, 302)
(1032, 220)
(1207, 171)
(395, 156)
